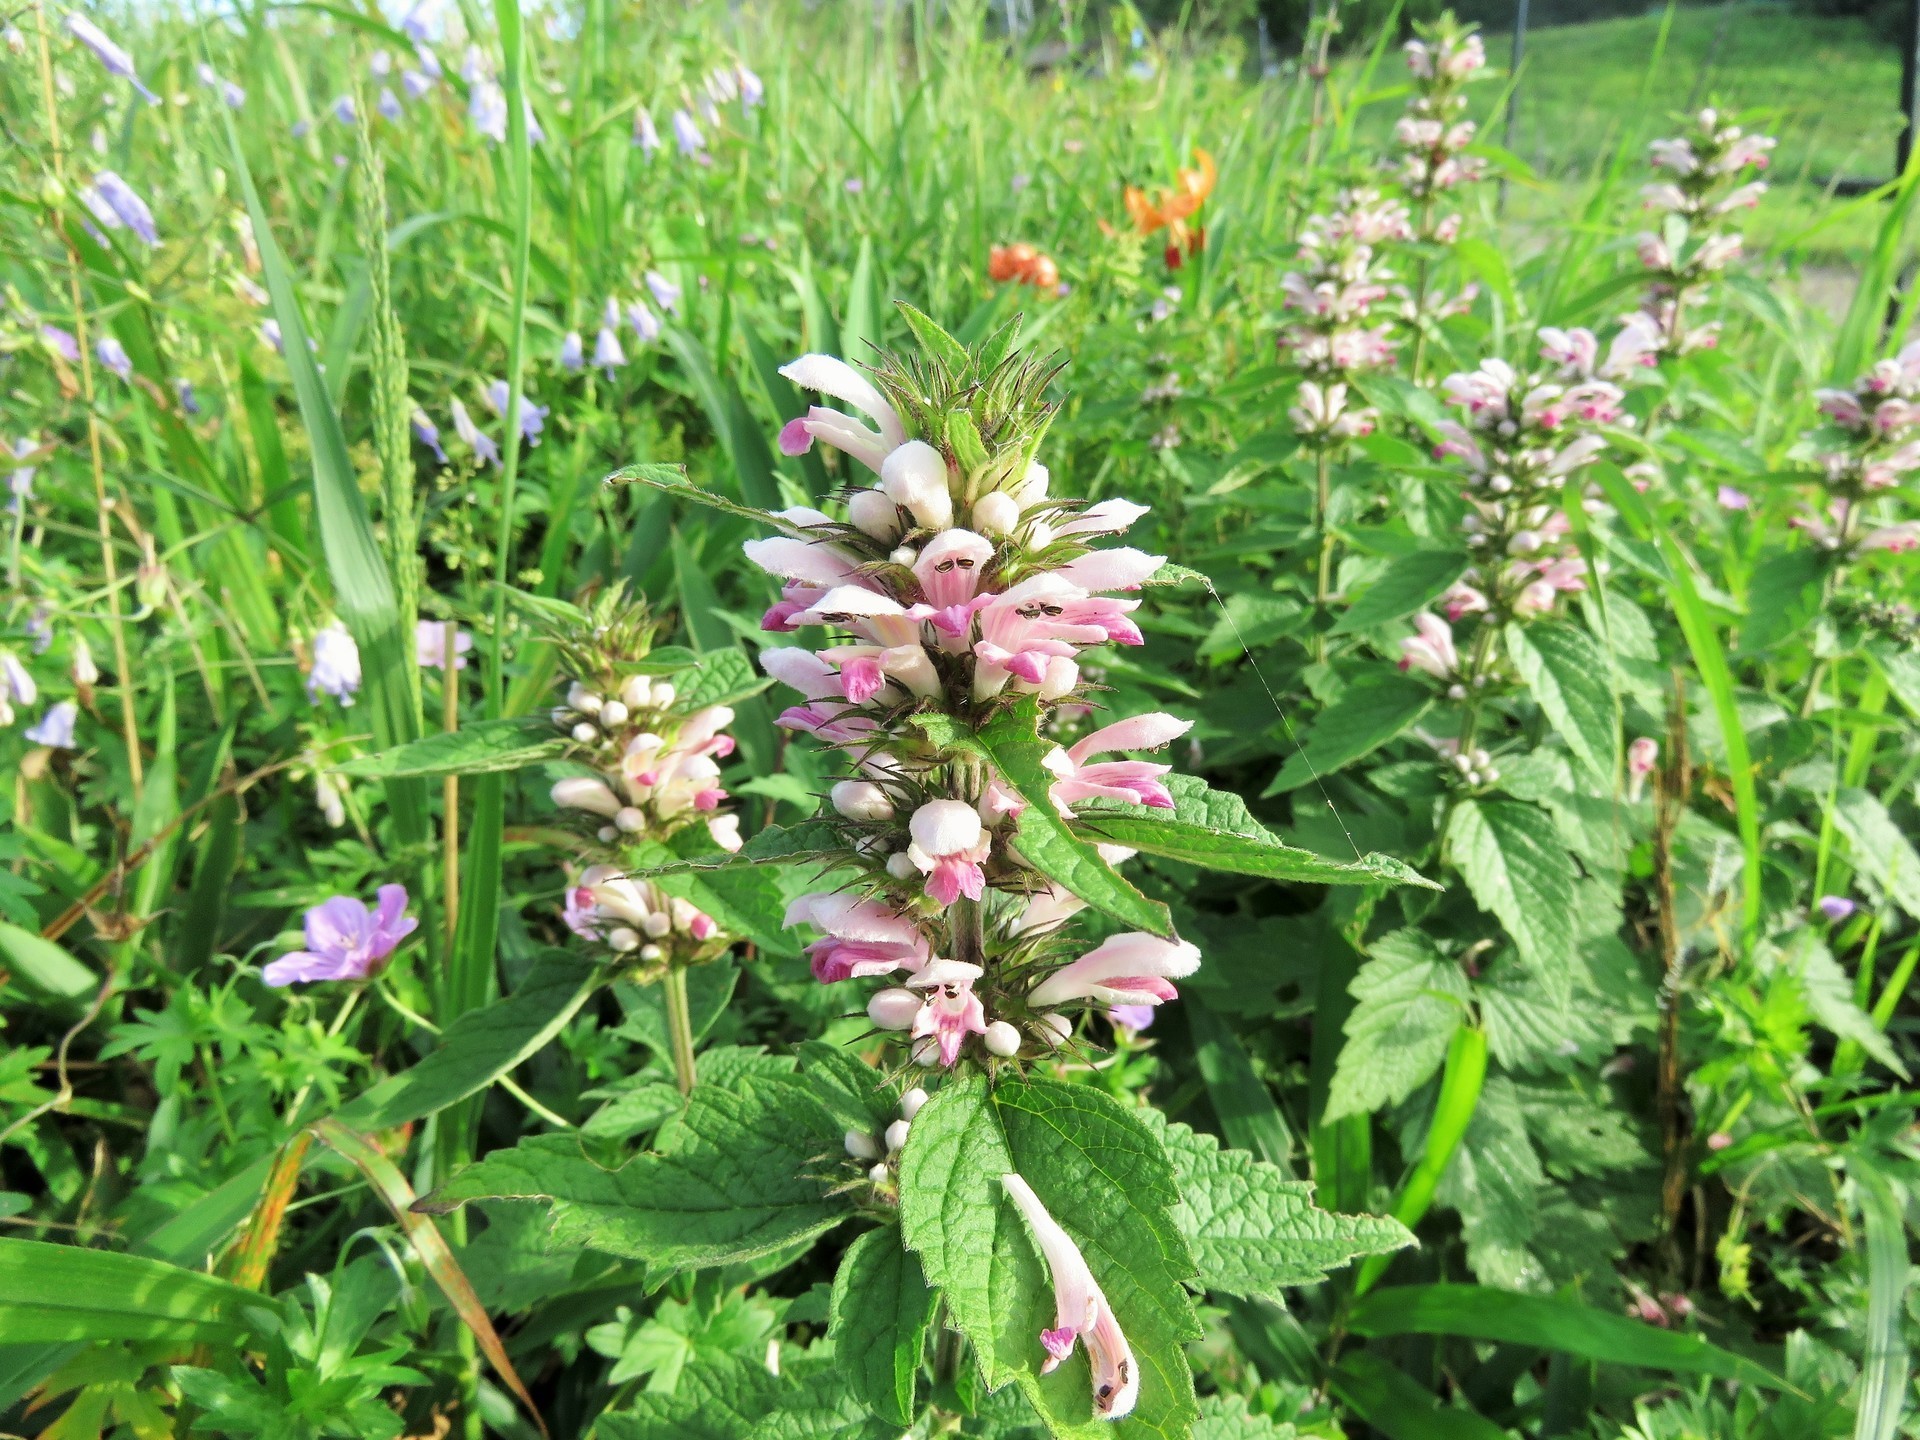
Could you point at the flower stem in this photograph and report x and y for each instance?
(1322, 495)
(450, 787)
(680, 1027)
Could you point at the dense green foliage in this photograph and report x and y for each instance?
(1544, 1070)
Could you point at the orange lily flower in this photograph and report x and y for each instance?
(1024, 265)
(1174, 206)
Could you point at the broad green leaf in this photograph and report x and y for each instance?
(672, 480)
(1494, 1181)
(1401, 1408)
(1104, 1176)
(1883, 1379)
(719, 677)
(1240, 1098)
(482, 747)
(1512, 859)
(882, 1308)
(1568, 675)
(745, 900)
(1786, 591)
(860, 1097)
(1409, 1000)
(1880, 848)
(744, 1172)
(54, 1293)
(1011, 742)
(1252, 1230)
(810, 840)
(40, 966)
(1213, 829)
(482, 1045)
(1408, 584)
(719, 1398)
(1377, 706)
(1548, 1322)
(1226, 1417)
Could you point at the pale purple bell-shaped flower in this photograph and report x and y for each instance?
(645, 134)
(112, 58)
(427, 433)
(646, 324)
(686, 134)
(388, 104)
(336, 665)
(183, 392)
(116, 205)
(63, 342)
(482, 445)
(753, 91)
(1837, 907)
(415, 84)
(665, 293)
(270, 332)
(114, 356)
(430, 645)
(380, 64)
(533, 418)
(473, 65)
(343, 110)
(301, 129)
(607, 354)
(429, 63)
(573, 352)
(55, 729)
(17, 684)
(234, 97)
(535, 135)
(346, 940)
(487, 109)
(20, 478)
(416, 23)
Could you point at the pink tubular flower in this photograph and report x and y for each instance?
(346, 940)
(831, 376)
(1130, 780)
(1128, 969)
(1432, 649)
(950, 568)
(948, 846)
(1462, 599)
(1642, 755)
(863, 937)
(951, 1011)
(1081, 1311)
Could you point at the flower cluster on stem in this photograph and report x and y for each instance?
(958, 589)
(1707, 172)
(1431, 140)
(1865, 451)
(658, 775)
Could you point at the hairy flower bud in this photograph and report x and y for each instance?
(861, 800)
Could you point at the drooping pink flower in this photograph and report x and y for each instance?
(1081, 1311)
(1642, 755)
(1431, 649)
(346, 940)
(863, 937)
(831, 376)
(951, 1011)
(1130, 780)
(948, 847)
(1126, 969)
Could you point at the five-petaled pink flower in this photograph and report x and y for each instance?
(346, 940)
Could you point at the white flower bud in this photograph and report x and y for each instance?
(664, 695)
(878, 1174)
(945, 827)
(996, 514)
(1033, 488)
(861, 800)
(1063, 676)
(607, 834)
(1002, 1039)
(861, 1147)
(585, 733)
(914, 475)
(905, 555)
(1055, 1028)
(658, 924)
(894, 1008)
(651, 953)
(1456, 692)
(85, 672)
(582, 699)
(874, 513)
(583, 793)
(613, 713)
(630, 820)
(901, 866)
(925, 1052)
(911, 1102)
(896, 1136)
(637, 692)
(623, 939)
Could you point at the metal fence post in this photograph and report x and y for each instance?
(1909, 88)
(1513, 92)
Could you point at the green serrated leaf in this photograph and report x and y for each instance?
(1011, 742)
(1105, 1177)
(1511, 857)
(1253, 1231)
(1375, 708)
(481, 747)
(719, 677)
(1880, 848)
(1407, 584)
(881, 1310)
(720, 1398)
(1226, 1417)
(1409, 1000)
(744, 1172)
(810, 840)
(1213, 829)
(1569, 676)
